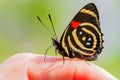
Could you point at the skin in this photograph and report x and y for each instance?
(28, 66)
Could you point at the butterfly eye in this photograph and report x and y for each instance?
(88, 43)
(89, 39)
(80, 32)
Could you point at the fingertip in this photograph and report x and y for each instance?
(53, 68)
(92, 72)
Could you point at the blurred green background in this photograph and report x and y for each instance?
(20, 31)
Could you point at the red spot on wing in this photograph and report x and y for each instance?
(75, 24)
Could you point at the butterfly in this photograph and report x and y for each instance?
(82, 38)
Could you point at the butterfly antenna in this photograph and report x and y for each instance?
(45, 26)
(52, 26)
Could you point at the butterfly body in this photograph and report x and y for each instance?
(83, 37)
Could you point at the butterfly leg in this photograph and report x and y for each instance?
(46, 52)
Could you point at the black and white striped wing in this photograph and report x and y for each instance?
(83, 36)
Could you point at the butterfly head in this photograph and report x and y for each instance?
(58, 47)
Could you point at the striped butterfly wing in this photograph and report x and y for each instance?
(83, 37)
